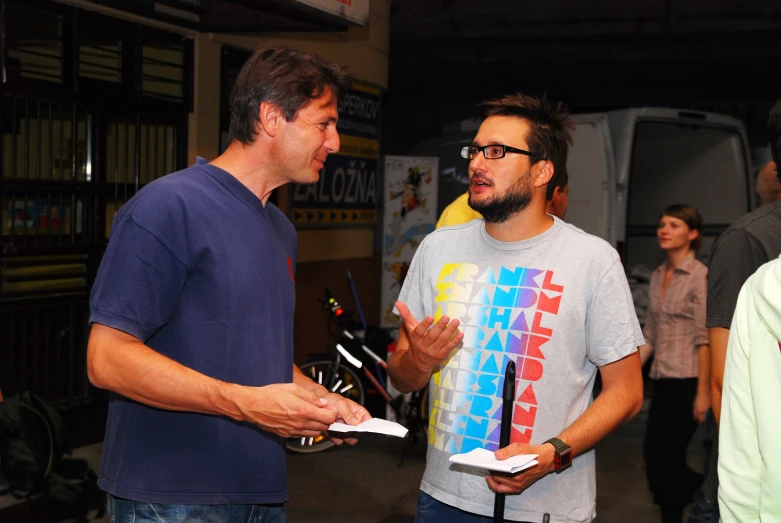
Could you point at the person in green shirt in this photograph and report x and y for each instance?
(749, 445)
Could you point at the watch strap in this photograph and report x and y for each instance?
(559, 445)
(563, 457)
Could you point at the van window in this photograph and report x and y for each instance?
(675, 162)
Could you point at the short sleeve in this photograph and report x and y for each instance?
(735, 257)
(139, 282)
(613, 331)
(415, 291)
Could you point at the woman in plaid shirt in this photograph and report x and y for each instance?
(675, 332)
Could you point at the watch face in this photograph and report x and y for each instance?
(566, 457)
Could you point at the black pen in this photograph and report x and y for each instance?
(508, 400)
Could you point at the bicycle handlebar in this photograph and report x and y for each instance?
(331, 304)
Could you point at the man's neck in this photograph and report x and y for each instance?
(523, 225)
(252, 168)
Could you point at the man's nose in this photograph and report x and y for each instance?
(477, 163)
(332, 142)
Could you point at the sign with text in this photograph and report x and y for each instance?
(359, 112)
(346, 183)
(346, 193)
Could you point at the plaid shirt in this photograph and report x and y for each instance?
(675, 325)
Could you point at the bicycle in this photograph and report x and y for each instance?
(347, 368)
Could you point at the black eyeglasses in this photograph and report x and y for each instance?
(493, 151)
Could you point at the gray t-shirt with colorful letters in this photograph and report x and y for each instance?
(559, 306)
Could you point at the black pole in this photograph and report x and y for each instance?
(508, 400)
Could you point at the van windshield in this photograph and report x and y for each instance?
(675, 162)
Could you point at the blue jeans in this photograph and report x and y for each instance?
(429, 510)
(127, 511)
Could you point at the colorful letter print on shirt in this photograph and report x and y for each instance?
(506, 313)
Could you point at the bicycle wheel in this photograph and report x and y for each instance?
(344, 381)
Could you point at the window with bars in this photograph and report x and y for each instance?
(100, 58)
(54, 178)
(46, 140)
(30, 276)
(136, 155)
(50, 43)
(44, 351)
(47, 147)
(78, 138)
(163, 71)
(34, 44)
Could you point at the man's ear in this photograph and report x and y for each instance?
(271, 118)
(544, 174)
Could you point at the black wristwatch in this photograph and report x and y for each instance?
(562, 459)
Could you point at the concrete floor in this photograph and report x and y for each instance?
(363, 484)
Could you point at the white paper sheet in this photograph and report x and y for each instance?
(485, 459)
(377, 425)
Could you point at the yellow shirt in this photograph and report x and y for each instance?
(458, 212)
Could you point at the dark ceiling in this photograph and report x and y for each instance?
(470, 30)
(437, 19)
(445, 55)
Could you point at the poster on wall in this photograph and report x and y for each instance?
(410, 214)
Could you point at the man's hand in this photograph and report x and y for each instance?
(429, 344)
(701, 405)
(517, 483)
(286, 409)
(347, 411)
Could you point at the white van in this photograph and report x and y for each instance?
(625, 167)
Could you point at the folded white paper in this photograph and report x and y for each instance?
(378, 425)
(485, 459)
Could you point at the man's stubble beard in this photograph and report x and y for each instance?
(499, 209)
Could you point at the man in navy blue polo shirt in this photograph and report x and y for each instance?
(192, 313)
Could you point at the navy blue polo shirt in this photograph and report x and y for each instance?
(201, 272)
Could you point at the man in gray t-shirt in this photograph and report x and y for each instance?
(523, 286)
